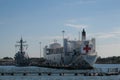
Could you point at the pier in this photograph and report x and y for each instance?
(39, 71)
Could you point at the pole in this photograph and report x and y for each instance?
(63, 48)
(63, 34)
(40, 49)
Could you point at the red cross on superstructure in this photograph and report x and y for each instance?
(86, 48)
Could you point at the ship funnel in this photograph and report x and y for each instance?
(83, 35)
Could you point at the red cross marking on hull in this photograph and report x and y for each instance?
(86, 48)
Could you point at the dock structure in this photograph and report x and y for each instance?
(39, 71)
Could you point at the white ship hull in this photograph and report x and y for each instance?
(84, 61)
(77, 62)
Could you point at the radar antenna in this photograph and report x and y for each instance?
(21, 45)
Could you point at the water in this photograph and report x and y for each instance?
(107, 65)
(60, 78)
(57, 77)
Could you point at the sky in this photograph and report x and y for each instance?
(44, 20)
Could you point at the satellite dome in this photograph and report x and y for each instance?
(55, 45)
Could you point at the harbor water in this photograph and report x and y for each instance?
(31, 73)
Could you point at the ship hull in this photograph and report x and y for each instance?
(69, 62)
(84, 62)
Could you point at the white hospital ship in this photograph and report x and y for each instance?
(75, 54)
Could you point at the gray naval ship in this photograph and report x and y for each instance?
(75, 54)
(21, 57)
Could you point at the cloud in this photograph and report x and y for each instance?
(76, 25)
(106, 35)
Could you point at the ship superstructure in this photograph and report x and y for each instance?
(21, 57)
(74, 53)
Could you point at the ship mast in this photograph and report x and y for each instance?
(21, 45)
